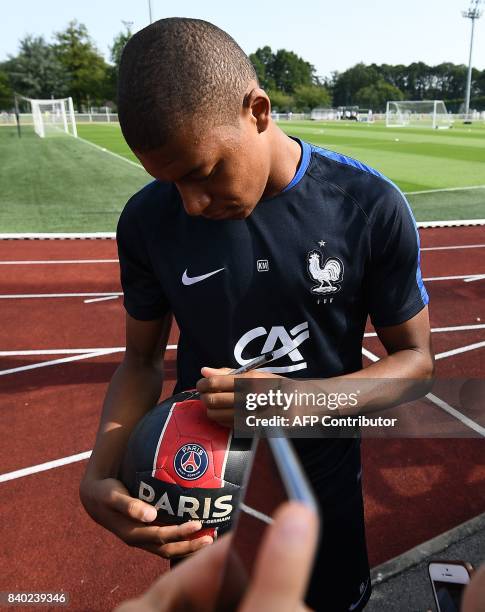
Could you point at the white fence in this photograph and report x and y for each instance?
(26, 118)
(108, 117)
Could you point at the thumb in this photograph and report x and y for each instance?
(206, 371)
(116, 496)
(284, 561)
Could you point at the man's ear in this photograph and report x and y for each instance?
(258, 105)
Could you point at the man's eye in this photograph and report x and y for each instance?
(206, 176)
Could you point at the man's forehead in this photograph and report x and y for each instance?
(188, 150)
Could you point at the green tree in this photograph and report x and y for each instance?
(348, 83)
(118, 45)
(6, 92)
(311, 96)
(290, 71)
(375, 96)
(263, 60)
(86, 67)
(111, 81)
(36, 72)
(280, 102)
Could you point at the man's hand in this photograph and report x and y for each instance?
(279, 579)
(217, 392)
(108, 502)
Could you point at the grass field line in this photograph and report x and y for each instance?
(466, 188)
(105, 150)
(437, 401)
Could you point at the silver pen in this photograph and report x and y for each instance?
(251, 365)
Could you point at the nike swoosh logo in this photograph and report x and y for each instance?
(191, 280)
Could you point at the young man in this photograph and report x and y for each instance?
(254, 241)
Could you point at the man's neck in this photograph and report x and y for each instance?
(285, 157)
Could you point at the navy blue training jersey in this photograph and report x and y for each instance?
(300, 275)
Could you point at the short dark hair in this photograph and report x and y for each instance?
(175, 69)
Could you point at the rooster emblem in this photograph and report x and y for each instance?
(331, 272)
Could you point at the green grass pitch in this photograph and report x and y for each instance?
(61, 184)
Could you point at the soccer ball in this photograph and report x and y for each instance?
(184, 464)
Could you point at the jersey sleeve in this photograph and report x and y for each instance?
(144, 298)
(395, 287)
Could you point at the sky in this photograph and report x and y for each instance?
(331, 35)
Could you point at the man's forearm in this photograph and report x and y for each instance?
(398, 378)
(133, 390)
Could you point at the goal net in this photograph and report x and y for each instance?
(417, 113)
(53, 117)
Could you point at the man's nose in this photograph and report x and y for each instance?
(194, 200)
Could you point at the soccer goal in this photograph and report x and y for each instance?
(418, 113)
(52, 117)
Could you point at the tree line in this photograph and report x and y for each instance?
(72, 65)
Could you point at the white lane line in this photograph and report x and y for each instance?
(445, 189)
(441, 329)
(439, 402)
(42, 467)
(443, 355)
(101, 299)
(111, 235)
(45, 364)
(459, 328)
(471, 279)
(32, 262)
(62, 235)
(456, 413)
(450, 248)
(19, 296)
(78, 351)
(16, 296)
(82, 456)
(462, 349)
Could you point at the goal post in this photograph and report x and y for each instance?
(53, 117)
(417, 113)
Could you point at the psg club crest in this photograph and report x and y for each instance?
(191, 461)
(327, 275)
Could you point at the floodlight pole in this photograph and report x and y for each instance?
(473, 13)
(150, 10)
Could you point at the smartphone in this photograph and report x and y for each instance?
(448, 580)
(273, 476)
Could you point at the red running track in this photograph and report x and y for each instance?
(52, 412)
